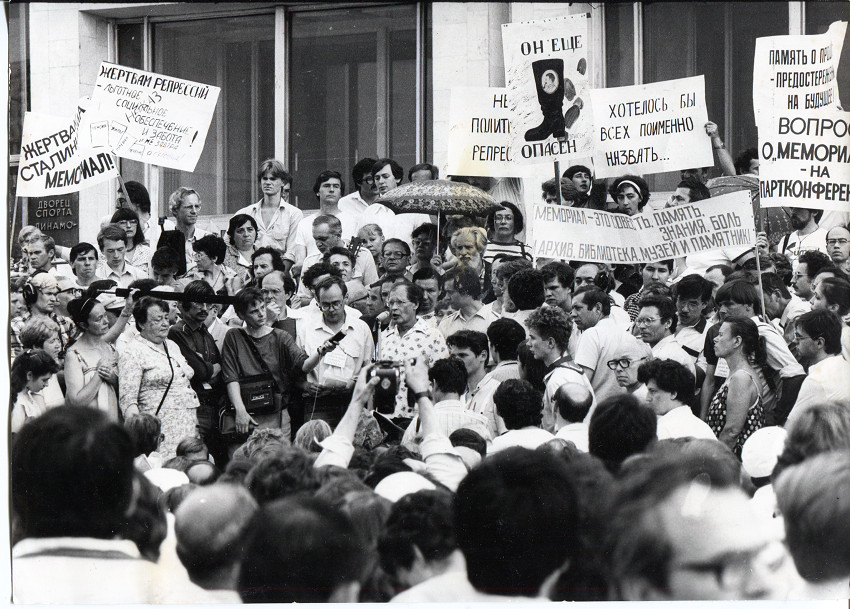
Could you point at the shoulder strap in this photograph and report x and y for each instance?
(256, 353)
(171, 380)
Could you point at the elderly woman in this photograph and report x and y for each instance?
(209, 256)
(468, 245)
(503, 225)
(736, 411)
(154, 376)
(242, 235)
(630, 194)
(137, 253)
(43, 333)
(91, 365)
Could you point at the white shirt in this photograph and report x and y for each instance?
(340, 367)
(527, 437)
(353, 203)
(480, 321)
(279, 233)
(596, 346)
(451, 416)
(576, 433)
(828, 381)
(556, 377)
(796, 244)
(481, 401)
(304, 231)
(398, 226)
(127, 276)
(681, 423)
(364, 269)
(669, 348)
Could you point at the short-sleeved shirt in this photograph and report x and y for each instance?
(561, 373)
(280, 232)
(596, 346)
(480, 321)
(282, 356)
(342, 365)
(128, 275)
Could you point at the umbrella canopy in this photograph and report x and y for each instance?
(438, 197)
(776, 221)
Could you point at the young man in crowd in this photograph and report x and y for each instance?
(112, 241)
(365, 192)
(463, 288)
(656, 323)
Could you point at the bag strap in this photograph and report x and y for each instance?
(167, 387)
(259, 357)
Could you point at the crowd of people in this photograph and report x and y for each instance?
(359, 405)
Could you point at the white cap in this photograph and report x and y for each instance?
(761, 451)
(395, 486)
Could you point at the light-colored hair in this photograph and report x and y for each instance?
(312, 432)
(478, 234)
(371, 229)
(28, 233)
(178, 196)
(37, 330)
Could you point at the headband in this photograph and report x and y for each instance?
(630, 183)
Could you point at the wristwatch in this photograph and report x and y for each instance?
(421, 394)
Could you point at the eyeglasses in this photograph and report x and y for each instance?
(327, 306)
(646, 321)
(798, 338)
(841, 242)
(733, 569)
(394, 255)
(623, 363)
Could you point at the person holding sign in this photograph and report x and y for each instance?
(591, 194)
(630, 194)
(503, 225)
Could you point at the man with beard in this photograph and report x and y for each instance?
(468, 245)
(808, 266)
(807, 234)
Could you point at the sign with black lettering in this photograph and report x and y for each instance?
(805, 160)
(571, 233)
(149, 117)
(650, 128)
(796, 73)
(57, 217)
(51, 161)
(546, 76)
(479, 133)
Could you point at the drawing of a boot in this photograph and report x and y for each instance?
(549, 80)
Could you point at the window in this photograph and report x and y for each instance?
(352, 93)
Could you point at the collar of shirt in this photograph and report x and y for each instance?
(420, 326)
(561, 360)
(670, 338)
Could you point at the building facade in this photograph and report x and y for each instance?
(320, 86)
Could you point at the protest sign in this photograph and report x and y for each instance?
(572, 233)
(796, 72)
(650, 128)
(149, 117)
(479, 133)
(51, 161)
(805, 160)
(547, 84)
(57, 217)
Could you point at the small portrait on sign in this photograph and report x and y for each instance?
(100, 134)
(549, 81)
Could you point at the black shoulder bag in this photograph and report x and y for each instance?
(258, 391)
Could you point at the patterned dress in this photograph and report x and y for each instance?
(143, 377)
(716, 417)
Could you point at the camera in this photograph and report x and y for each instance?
(390, 374)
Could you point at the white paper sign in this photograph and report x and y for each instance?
(51, 162)
(796, 72)
(149, 117)
(650, 128)
(805, 160)
(571, 233)
(546, 67)
(480, 133)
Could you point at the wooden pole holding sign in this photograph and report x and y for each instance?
(558, 181)
(124, 190)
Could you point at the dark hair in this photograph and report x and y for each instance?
(592, 296)
(665, 306)
(79, 310)
(361, 169)
(505, 336)
(404, 245)
(435, 172)
(326, 175)
(449, 375)
(511, 267)
(138, 196)
(815, 260)
(526, 289)
(836, 291)
(329, 282)
(519, 404)
(274, 167)
(237, 222)
(772, 283)
(165, 258)
(519, 220)
(144, 430)
(783, 267)
(823, 324)
(564, 273)
(643, 188)
(551, 322)
(245, 298)
(398, 171)
(198, 291)
(426, 273)
(125, 213)
(71, 474)
(277, 257)
(698, 190)
(36, 361)
(738, 291)
(280, 475)
(299, 549)
(470, 439)
(213, 246)
(411, 291)
(752, 344)
(742, 161)
(80, 249)
(535, 369)
(670, 376)
(317, 270)
(427, 228)
(693, 286)
(143, 306)
(190, 445)
(339, 250)
(569, 192)
(476, 342)
(466, 282)
(516, 521)
(574, 169)
(621, 426)
(111, 232)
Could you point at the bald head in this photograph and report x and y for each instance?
(210, 527)
(573, 402)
